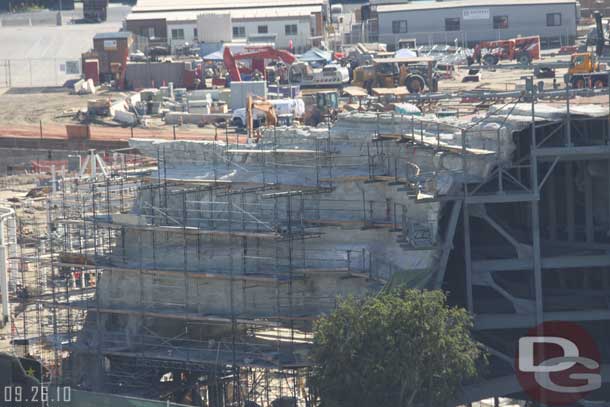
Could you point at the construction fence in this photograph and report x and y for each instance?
(39, 72)
(90, 399)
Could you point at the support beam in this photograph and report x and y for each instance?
(589, 231)
(510, 321)
(569, 199)
(448, 243)
(558, 262)
(552, 209)
(535, 222)
(573, 153)
(3, 283)
(467, 257)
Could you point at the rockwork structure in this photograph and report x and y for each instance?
(202, 280)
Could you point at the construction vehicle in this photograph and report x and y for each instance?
(585, 69)
(320, 105)
(256, 106)
(408, 43)
(287, 109)
(416, 73)
(302, 74)
(523, 50)
(257, 56)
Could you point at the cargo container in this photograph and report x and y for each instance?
(95, 9)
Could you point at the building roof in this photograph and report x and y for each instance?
(112, 36)
(147, 6)
(433, 5)
(177, 16)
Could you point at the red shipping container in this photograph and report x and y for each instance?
(92, 70)
(188, 79)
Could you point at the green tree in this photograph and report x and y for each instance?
(401, 348)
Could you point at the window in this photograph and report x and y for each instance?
(149, 32)
(177, 34)
(239, 32)
(263, 29)
(452, 24)
(399, 26)
(290, 29)
(553, 19)
(500, 22)
(195, 33)
(579, 60)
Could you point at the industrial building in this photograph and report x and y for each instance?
(285, 24)
(468, 22)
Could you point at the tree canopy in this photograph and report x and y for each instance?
(401, 348)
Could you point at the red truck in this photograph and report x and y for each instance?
(523, 50)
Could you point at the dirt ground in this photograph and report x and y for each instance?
(24, 109)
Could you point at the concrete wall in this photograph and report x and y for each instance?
(142, 75)
(215, 27)
(428, 26)
(11, 157)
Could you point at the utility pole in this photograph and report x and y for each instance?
(59, 16)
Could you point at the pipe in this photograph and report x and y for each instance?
(5, 214)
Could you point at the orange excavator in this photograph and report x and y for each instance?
(261, 105)
(257, 56)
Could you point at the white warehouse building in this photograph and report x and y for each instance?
(472, 21)
(210, 21)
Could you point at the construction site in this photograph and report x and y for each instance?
(193, 271)
(153, 255)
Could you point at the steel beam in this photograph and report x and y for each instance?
(573, 153)
(467, 257)
(559, 262)
(535, 221)
(510, 321)
(589, 231)
(552, 209)
(448, 243)
(569, 199)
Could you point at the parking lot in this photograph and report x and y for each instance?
(36, 55)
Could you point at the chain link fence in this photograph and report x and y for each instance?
(38, 72)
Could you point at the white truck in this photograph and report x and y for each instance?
(301, 73)
(294, 108)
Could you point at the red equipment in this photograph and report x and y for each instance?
(231, 65)
(524, 50)
(258, 57)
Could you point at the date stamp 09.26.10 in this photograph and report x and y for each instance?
(17, 395)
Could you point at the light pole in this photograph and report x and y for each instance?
(59, 17)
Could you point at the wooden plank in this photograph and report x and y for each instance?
(278, 150)
(390, 91)
(355, 91)
(177, 273)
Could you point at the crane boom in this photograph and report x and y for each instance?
(231, 65)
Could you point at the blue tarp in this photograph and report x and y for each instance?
(316, 55)
(214, 56)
